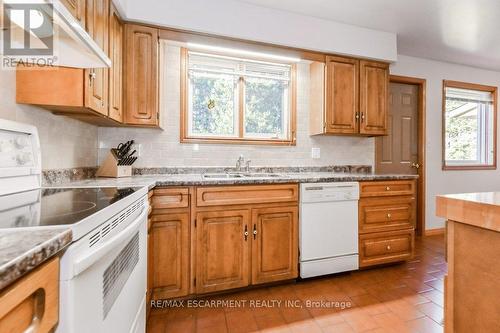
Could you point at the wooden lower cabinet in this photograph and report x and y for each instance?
(169, 244)
(32, 303)
(223, 248)
(274, 244)
(385, 247)
(387, 213)
(196, 247)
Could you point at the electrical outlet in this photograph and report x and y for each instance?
(315, 153)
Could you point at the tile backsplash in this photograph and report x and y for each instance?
(66, 143)
(161, 148)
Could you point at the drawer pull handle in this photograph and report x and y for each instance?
(387, 188)
(388, 247)
(389, 215)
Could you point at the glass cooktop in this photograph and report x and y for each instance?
(56, 206)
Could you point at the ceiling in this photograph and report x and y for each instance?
(458, 31)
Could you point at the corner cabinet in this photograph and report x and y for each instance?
(124, 95)
(141, 75)
(348, 97)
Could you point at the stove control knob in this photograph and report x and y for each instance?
(23, 159)
(21, 142)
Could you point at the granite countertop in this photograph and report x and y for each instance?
(481, 209)
(22, 250)
(197, 179)
(25, 249)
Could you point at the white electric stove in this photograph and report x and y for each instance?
(103, 271)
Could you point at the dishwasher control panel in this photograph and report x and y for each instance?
(324, 192)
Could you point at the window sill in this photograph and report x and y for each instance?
(238, 141)
(468, 167)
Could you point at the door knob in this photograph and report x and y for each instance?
(415, 165)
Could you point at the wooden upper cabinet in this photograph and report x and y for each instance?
(222, 250)
(274, 244)
(348, 96)
(341, 89)
(374, 87)
(77, 9)
(96, 79)
(116, 70)
(169, 255)
(141, 75)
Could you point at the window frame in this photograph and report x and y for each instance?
(184, 116)
(465, 165)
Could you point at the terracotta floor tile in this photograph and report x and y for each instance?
(435, 296)
(391, 323)
(359, 320)
(214, 317)
(270, 321)
(186, 325)
(425, 325)
(433, 311)
(241, 321)
(399, 298)
(404, 310)
(339, 328)
(309, 326)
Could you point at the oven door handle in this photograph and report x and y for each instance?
(84, 262)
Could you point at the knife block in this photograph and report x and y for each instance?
(110, 168)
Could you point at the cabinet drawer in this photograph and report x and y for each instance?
(32, 303)
(242, 195)
(385, 214)
(387, 188)
(171, 198)
(385, 247)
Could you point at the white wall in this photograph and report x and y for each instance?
(66, 143)
(246, 21)
(162, 148)
(438, 181)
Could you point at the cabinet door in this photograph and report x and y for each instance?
(77, 9)
(222, 259)
(341, 105)
(141, 75)
(96, 79)
(274, 244)
(374, 86)
(169, 255)
(115, 72)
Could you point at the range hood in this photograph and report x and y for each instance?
(72, 45)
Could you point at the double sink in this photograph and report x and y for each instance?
(241, 175)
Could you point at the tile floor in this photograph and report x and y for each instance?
(406, 297)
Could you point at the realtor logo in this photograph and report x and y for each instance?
(28, 34)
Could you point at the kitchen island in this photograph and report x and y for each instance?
(472, 288)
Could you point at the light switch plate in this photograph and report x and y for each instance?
(315, 153)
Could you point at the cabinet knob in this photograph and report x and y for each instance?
(389, 215)
(388, 247)
(387, 188)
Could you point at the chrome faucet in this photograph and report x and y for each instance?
(239, 163)
(247, 166)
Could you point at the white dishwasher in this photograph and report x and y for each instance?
(328, 228)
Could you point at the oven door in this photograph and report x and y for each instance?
(103, 288)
